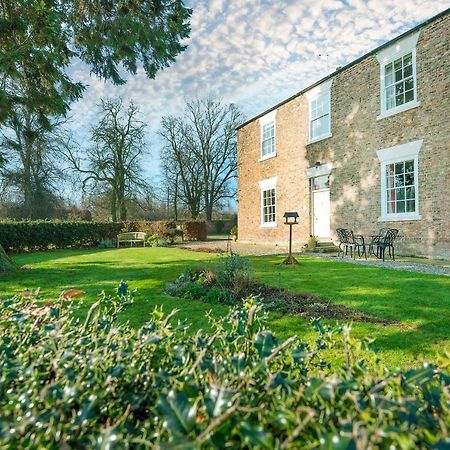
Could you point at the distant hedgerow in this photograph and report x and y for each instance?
(98, 383)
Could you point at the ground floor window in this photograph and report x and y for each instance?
(400, 181)
(400, 187)
(268, 206)
(268, 190)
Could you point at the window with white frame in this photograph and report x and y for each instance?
(400, 181)
(398, 76)
(401, 187)
(399, 82)
(319, 100)
(268, 138)
(268, 202)
(268, 206)
(319, 120)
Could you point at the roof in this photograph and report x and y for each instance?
(342, 69)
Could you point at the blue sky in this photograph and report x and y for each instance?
(254, 53)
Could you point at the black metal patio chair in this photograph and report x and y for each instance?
(354, 242)
(382, 242)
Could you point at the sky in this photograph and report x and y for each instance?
(253, 53)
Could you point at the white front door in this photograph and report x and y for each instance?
(321, 213)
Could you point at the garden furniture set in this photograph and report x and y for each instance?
(372, 245)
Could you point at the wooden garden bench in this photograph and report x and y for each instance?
(131, 237)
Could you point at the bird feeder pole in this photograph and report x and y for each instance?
(290, 219)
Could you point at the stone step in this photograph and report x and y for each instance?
(322, 249)
(325, 244)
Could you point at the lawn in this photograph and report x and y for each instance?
(420, 301)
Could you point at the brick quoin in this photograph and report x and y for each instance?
(355, 187)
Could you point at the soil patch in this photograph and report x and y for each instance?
(311, 306)
(203, 249)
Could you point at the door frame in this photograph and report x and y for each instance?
(317, 170)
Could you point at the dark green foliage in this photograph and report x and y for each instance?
(6, 264)
(39, 39)
(220, 296)
(220, 226)
(106, 243)
(234, 231)
(231, 268)
(97, 383)
(37, 235)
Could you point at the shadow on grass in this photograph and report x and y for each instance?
(419, 300)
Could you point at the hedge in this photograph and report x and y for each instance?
(164, 229)
(98, 383)
(194, 231)
(41, 235)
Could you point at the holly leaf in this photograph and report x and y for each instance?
(177, 411)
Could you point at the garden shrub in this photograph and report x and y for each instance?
(219, 226)
(163, 230)
(99, 383)
(194, 231)
(233, 269)
(41, 234)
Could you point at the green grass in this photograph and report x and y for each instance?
(420, 301)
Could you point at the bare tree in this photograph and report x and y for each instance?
(201, 149)
(30, 166)
(114, 161)
(182, 172)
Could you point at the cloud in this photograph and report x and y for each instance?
(255, 53)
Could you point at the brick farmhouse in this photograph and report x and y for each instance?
(365, 148)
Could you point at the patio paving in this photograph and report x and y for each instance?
(411, 264)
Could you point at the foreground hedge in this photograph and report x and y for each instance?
(101, 384)
(41, 234)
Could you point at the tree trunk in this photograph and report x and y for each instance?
(113, 207)
(208, 212)
(6, 263)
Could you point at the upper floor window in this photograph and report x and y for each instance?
(400, 181)
(398, 76)
(268, 138)
(399, 82)
(319, 102)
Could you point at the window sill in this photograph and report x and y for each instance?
(399, 218)
(268, 225)
(319, 138)
(269, 156)
(399, 109)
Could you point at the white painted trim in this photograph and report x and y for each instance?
(313, 94)
(400, 217)
(398, 109)
(268, 224)
(324, 169)
(386, 56)
(392, 155)
(268, 183)
(269, 117)
(263, 123)
(398, 48)
(268, 156)
(318, 90)
(265, 185)
(399, 152)
(320, 138)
